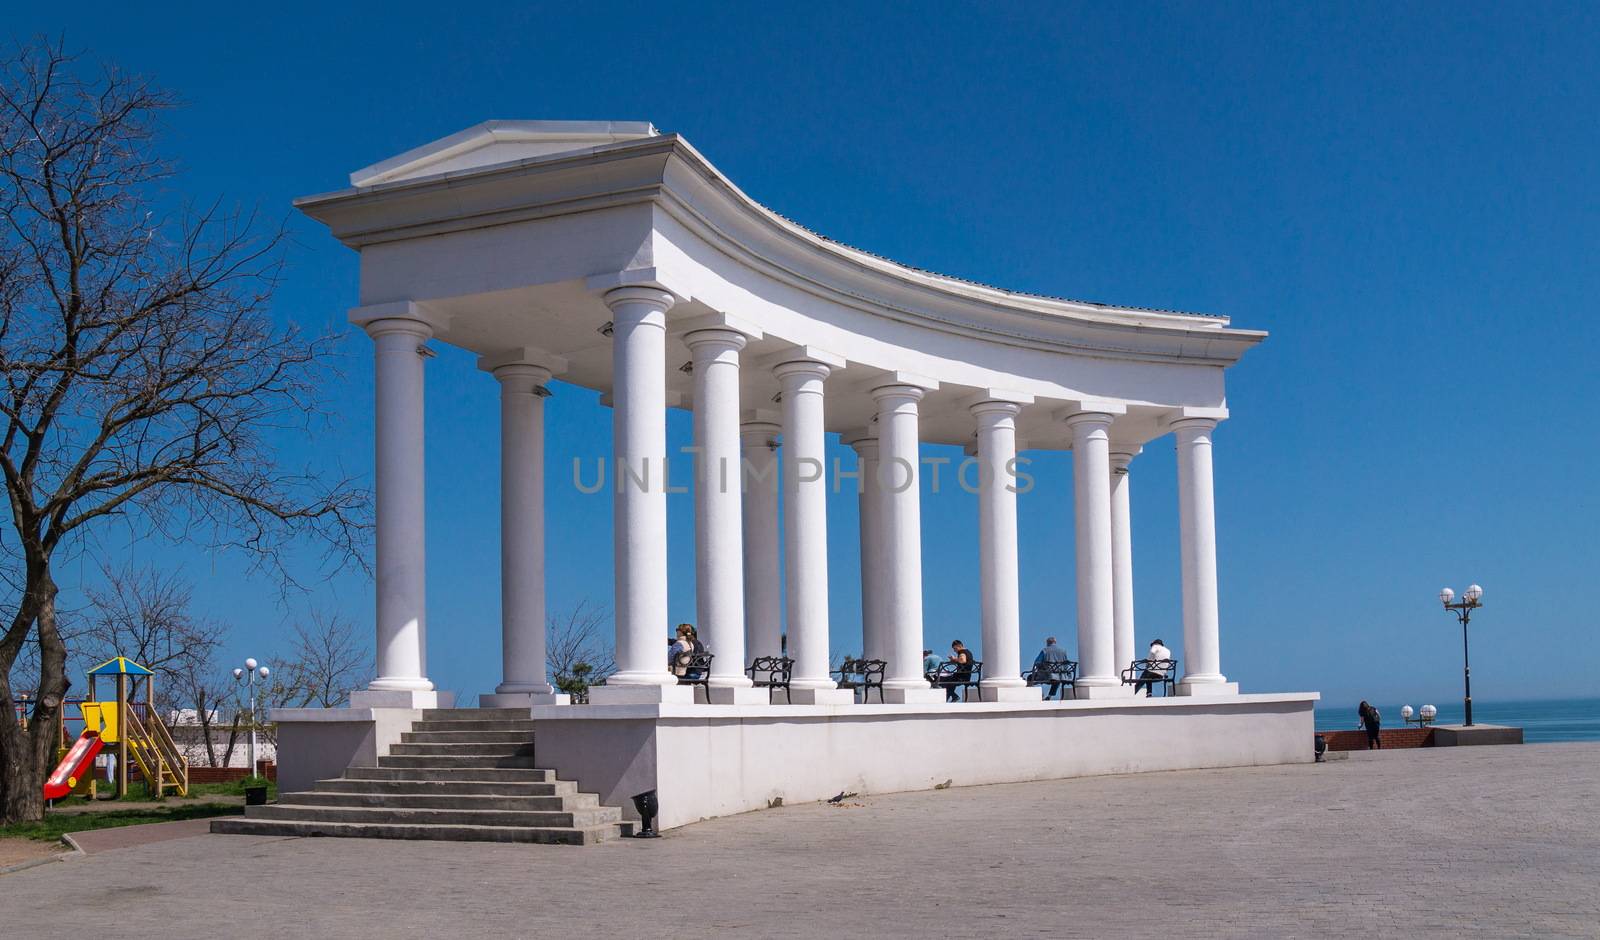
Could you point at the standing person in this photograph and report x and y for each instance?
(1048, 660)
(1151, 675)
(962, 657)
(1370, 720)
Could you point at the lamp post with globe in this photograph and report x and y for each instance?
(1471, 600)
(251, 671)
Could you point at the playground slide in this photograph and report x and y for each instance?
(78, 761)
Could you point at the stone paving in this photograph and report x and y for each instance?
(1492, 842)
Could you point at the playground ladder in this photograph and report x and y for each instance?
(152, 748)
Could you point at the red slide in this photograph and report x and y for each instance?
(72, 767)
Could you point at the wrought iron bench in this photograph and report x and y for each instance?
(1151, 673)
(772, 672)
(864, 675)
(697, 671)
(957, 676)
(1059, 676)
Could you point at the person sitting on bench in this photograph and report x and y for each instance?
(1149, 678)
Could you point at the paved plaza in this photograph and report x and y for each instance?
(1493, 842)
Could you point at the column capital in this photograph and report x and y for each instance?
(1192, 424)
(1099, 416)
(802, 369)
(757, 433)
(1191, 416)
(863, 441)
(521, 376)
(398, 316)
(714, 340)
(1122, 454)
(509, 361)
(658, 299)
(898, 394)
(995, 408)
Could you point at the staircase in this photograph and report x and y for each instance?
(459, 774)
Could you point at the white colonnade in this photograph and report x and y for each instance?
(744, 592)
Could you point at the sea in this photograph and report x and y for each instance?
(1541, 720)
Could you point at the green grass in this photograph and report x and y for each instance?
(55, 824)
(226, 789)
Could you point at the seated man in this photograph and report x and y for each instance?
(962, 657)
(1050, 657)
(1150, 677)
(931, 664)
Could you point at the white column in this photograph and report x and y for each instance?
(639, 440)
(763, 576)
(998, 590)
(1091, 488)
(900, 518)
(1125, 642)
(522, 598)
(398, 476)
(1197, 535)
(719, 570)
(805, 522)
(873, 643)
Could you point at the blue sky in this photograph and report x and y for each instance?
(1405, 197)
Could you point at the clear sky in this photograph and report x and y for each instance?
(1405, 196)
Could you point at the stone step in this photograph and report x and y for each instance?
(475, 714)
(502, 724)
(413, 816)
(475, 800)
(448, 787)
(241, 825)
(441, 762)
(426, 774)
(512, 736)
(481, 748)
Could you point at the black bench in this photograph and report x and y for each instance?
(865, 675)
(1059, 676)
(957, 676)
(696, 669)
(772, 672)
(1151, 673)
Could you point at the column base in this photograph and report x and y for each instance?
(835, 696)
(738, 695)
(1102, 691)
(913, 696)
(642, 695)
(401, 698)
(1010, 693)
(520, 699)
(1207, 689)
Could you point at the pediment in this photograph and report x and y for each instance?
(496, 142)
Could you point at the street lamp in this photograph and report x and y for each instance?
(1423, 719)
(249, 673)
(1471, 600)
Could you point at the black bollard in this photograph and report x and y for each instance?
(647, 806)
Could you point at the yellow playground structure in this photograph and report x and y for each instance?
(128, 724)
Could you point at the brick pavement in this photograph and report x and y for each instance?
(1492, 842)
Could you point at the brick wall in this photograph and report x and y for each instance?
(219, 774)
(1390, 737)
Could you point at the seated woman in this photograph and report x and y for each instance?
(682, 653)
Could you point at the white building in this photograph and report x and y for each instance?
(620, 259)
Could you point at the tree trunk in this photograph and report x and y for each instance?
(27, 757)
(202, 715)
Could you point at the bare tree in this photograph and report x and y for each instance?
(143, 376)
(576, 652)
(325, 663)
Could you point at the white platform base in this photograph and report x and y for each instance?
(737, 695)
(523, 699)
(1010, 693)
(386, 698)
(1103, 691)
(715, 760)
(1207, 689)
(913, 696)
(823, 696)
(642, 695)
